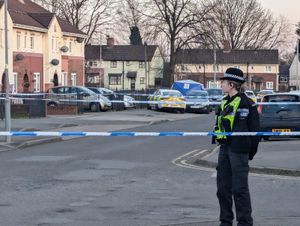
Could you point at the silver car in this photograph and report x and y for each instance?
(78, 94)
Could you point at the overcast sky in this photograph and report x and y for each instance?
(288, 8)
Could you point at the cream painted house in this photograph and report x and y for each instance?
(127, 67)
(294, 80)
(44, 50)
(260, 67)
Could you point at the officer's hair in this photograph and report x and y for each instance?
(238, 86)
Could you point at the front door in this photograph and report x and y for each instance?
(132, 84)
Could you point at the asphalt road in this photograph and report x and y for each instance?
(128, 181)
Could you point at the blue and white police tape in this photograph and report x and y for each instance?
(142, 134)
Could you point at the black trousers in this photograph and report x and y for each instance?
(232, 184)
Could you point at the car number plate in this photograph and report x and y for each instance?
(281, 130)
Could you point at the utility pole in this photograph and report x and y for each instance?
(146, 77)
(297, 56)
(7, 100)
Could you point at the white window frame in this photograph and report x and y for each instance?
(113, 64)
(37, 82)
(141, 64)
(15, 82)
(64, 78)
(268, 68)
(18, 41)
(31, 42)
(211, 84)
(142, 80)
(270, 85)
(74, 79)
(25, 41)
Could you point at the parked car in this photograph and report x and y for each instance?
(199, 101)
(281, 115)
(74, 95)
(251, 95)
(111, 95)
(215, 95)
(262, 93)
(173, 98)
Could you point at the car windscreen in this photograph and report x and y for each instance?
(95, 90)
(171, 94)
(199, 94)
(214, 92)
(281, 100)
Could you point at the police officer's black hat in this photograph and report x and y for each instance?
(234, 74)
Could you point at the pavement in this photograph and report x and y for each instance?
(275, 157)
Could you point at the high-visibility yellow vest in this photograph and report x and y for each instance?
(228, 112)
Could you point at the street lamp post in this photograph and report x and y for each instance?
(215, 62)
(297, 56)
(7, 100)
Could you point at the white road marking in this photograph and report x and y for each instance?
(181, 161)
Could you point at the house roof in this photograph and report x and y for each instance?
(28, 13)
(120, 52)
(206, 56)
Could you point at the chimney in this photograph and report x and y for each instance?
(110, 41)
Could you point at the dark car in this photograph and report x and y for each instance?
(215, 95)
(282, 114)
(197, 101)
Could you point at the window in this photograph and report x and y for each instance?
(73, 79)
(25, 41)
(141, 64)
(70, 47)
(215, 67)
(114, 80)
(269, 85)
(268, 68)
(142, 80)
(37, 82)
(113, 64)
(31, 42)
(95, 63)
(211, 84)
(18, 41)
(183, 67)
(15, 84)
(53, 44)
(1, 33)
(64, 78)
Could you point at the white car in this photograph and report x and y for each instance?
(111, 95)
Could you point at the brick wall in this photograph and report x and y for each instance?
(32, 63)
(62, 110)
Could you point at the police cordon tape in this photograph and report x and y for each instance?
(64, 101)
(143, 134)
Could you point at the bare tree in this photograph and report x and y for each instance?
(86, 15)
(172, 20)
(245, 24)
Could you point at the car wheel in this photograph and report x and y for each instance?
(94, 107)
(181, 111)
(52, 104)
(266, 138)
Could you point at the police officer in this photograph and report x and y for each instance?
(237, 113)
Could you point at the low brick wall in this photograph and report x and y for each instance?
(62, 110)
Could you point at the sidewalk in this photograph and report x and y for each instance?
(279, 157)
(88, 122)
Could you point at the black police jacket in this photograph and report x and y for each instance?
(246, 120)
